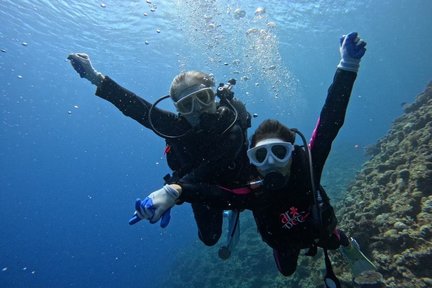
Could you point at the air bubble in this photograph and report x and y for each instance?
(260, 11)
(239, 13)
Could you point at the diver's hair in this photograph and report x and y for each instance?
(188, 79)
(272, 129)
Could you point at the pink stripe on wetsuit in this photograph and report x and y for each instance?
(314, 133)
(238, 191)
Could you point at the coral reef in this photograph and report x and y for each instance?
(387, 209)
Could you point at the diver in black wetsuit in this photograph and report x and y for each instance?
(190, 135)
(291, 209)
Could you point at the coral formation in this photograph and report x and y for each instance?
(388, 208)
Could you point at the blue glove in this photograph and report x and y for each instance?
(141, 212)
(157, 206)
(81, 63)
(352, 50)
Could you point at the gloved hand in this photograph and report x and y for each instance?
(352, 50)
(81, 63)
(156, 206)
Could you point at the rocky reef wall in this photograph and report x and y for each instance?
(388, 208)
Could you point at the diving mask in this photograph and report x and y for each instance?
(270, 154)
(195, 101)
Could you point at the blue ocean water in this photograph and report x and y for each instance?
(72, 165)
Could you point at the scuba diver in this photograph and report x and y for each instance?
(290, 207)
(189, 135)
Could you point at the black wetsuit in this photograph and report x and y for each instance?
(202, 154)
(284, 217)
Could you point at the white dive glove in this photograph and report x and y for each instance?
(81, 63)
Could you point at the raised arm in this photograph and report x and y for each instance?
(333, 112)
(126, 101)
